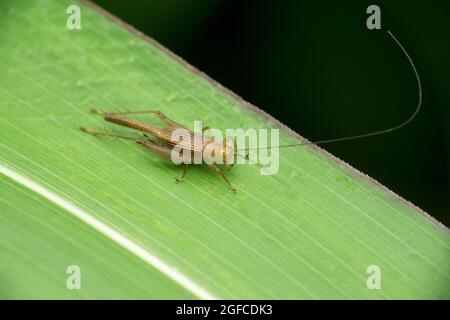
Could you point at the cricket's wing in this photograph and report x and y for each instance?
(183, 138)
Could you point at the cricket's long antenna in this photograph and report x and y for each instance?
(374, 133)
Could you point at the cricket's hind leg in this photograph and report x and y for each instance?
(162, 151)
(95, 132)
(155, 140)
(157, 113)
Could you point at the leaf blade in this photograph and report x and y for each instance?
(292, 235)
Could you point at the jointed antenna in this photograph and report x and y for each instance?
(374, 133)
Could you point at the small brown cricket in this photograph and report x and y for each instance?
(161, 141)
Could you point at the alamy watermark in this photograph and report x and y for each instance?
(73, 281)
(74, 20)
(374, 280)
(234, 147)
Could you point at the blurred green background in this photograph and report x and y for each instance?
(317, 68)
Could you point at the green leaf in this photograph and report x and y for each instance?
(113, 209)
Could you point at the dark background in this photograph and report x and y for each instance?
(316, 67)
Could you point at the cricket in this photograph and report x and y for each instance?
(161, 141)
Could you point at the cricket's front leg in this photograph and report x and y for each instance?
(162, 151)
(185, 167)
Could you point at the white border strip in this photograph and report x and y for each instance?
(112, 234)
